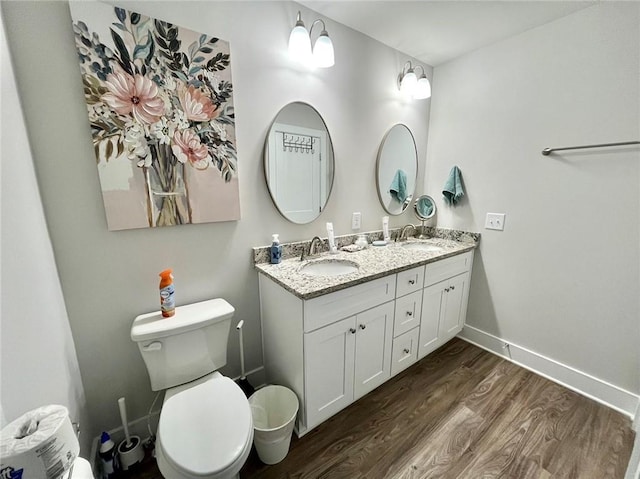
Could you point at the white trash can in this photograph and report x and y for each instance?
(274, 410)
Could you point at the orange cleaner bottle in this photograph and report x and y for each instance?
(167, 294)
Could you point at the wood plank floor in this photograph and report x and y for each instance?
(459, 413)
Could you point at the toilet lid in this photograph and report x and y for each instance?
(205, 428)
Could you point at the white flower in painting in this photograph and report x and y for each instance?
(219, 129)
(136, 144)
(213, 79)
(180, 119)
(163, 130)
(170, 83)
(219, 151)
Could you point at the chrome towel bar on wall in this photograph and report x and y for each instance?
(548, 151)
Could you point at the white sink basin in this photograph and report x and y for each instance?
(426, 247)
(330, 267)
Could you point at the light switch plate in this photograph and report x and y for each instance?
(495, 221)
(356, 221)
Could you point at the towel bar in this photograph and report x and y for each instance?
(548, 151)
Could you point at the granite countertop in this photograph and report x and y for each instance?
(374, 262)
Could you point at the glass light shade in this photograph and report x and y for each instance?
(299, 44)
(422, 89)
(408, 84)
(323, 51)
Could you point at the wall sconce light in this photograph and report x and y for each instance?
(412, 86)
(300, 45)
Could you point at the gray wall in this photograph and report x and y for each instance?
(110, 277)
(39, 364)
(563, 278)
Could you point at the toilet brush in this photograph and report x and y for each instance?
(130, 450)
(244, 384)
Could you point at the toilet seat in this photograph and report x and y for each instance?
(205, 429)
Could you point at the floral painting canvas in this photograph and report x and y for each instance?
(160, 105)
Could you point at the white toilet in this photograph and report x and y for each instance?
(205, 429)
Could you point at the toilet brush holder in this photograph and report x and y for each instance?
(130, 453)
(130, 450)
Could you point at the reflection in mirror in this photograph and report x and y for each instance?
(424, 207)
(298, 163)
(397, 168)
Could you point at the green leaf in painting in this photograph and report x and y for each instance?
(121, 14)
(213, 40)
(181, 76)
(198, 59)
(206, 49)
(135, 18)
(109, 149)
(122, 49)
(152, 50)
(194, 70)
(119, 26)
(193, 48)
(160, 28)
(202, 39)
(142, 51)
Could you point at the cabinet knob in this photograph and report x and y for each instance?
(452, 288)
(446, 289)
(363, 326)
(412, 281)
(352, 330)
(406, 351)
(409, 313)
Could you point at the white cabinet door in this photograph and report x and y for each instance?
(329, 367)
(452, 317)
(432, 306)
(374, 337)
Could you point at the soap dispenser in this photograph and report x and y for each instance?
(275, 250)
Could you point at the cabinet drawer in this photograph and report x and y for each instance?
(407, 314)
(410, 281)
(447, 268)
(327, 309)
(405, 351)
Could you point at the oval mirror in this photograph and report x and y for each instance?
(299, 163)
(397, 168)
(424, 207)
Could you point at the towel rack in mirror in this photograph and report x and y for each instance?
(548, 151)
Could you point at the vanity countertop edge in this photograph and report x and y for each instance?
(374, 262)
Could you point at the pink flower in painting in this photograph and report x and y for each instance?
(133, 95)
(196, 105)
(187, 147)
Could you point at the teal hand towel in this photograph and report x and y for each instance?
(453, 190)
(398, 188)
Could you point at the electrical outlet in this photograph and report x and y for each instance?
(495, 221)
(356, 221)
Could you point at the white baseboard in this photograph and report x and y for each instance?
(601, 391)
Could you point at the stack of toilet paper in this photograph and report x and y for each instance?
(40, 444)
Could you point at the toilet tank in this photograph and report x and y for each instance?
(186, 346)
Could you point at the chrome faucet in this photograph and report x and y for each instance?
(316, 240)
(402, 236)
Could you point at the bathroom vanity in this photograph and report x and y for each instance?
(333, 336)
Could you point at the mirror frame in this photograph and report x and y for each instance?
(407, 202)
(265, 159)
(417, 213)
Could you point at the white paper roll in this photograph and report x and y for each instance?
(81, 470)
(40, 444)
